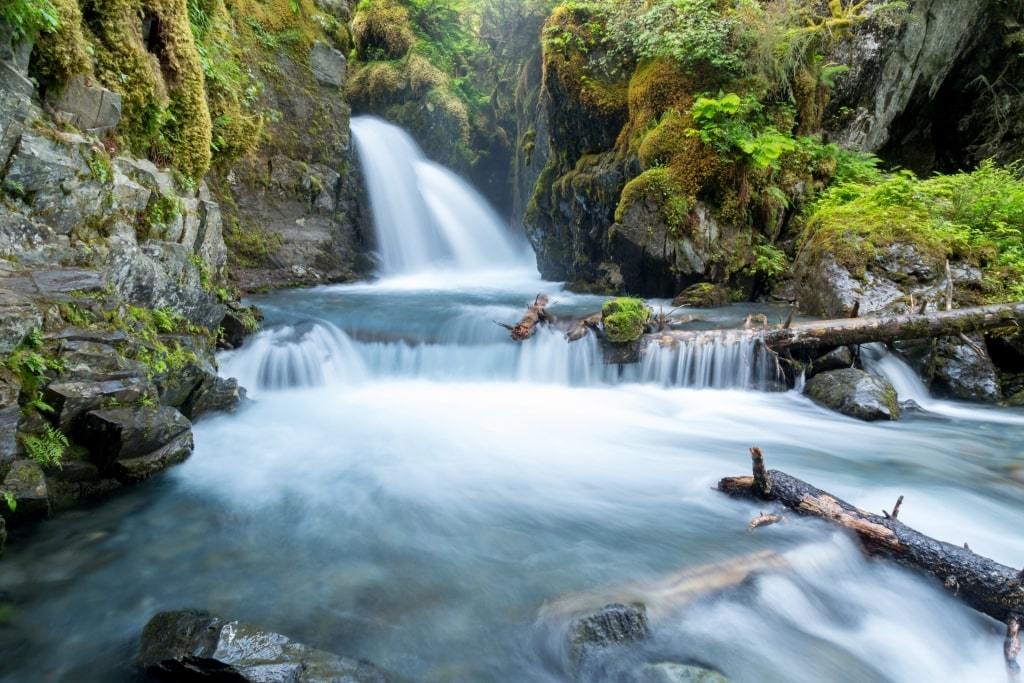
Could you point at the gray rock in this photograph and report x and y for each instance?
(672, 672)
(55, 181)
(836, 359)
(71, 400)
(703, 295)
(87, 106)
(142, 467)
(329, 66)
(192, 645)
(114, 434)
(15, 107)
(614, 624)
(26, 482)
(217, 394)
(964, 371)
(855, 393)
(890, 71)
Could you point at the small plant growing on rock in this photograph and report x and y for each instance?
(47, 448)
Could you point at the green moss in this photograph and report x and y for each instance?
(381, 31)
(64, 53)
(971, 217)
(625, 319)
(657, 186)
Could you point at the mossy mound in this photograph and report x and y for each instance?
(625, 319)
(381, 31)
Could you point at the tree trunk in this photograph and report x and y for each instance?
(827, 334)
(985, 585)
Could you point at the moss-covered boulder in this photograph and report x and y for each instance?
(855, 393)
(625, 319)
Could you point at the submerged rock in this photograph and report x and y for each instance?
(192, 645)
(672, 672)
(614, 624)
(855, 393)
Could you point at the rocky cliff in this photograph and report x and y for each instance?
(637, 196)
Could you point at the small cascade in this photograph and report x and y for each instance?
(425, 217)
(307, 354)
(712, 362)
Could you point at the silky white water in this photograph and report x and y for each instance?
(409, 486)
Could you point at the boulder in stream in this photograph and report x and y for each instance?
(192, 645)
(855, 393)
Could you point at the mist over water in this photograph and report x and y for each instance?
(410, 486)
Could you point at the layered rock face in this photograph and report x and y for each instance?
(109, 306)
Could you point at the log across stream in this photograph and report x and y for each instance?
(985, 585)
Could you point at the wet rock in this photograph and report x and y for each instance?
(217, 394)
(836, 359)
(192, 645)
(159, 435)
(612, 625)
(703, 295)
(128, 470)
(855, 393)
(26, 484)
(73, 399)
(964, 371)
(671, 672)
(239, 322)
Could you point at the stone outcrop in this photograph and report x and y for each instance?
(192, 645)
(855, 393)
(108, 271)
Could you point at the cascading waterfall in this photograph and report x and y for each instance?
(411, 487)
(426, 217)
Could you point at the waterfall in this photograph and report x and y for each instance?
(425, 217)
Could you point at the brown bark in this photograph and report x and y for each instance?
(985, 585)
(580, 327)
(667, 594)
(534, 315)
(826, 334)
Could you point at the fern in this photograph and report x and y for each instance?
(12, 502)
(47, 448)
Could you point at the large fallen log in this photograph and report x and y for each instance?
(827, 334)
(983, 584)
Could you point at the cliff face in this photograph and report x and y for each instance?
(633, 199)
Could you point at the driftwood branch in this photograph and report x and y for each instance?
(826, 334)
(534, 315)
(983, 584)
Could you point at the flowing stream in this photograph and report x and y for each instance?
(411, 487)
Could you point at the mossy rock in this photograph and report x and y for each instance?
(381, 31)
(625, 319)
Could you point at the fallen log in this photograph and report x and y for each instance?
(580, 328)
(534, 315)
(827, 334)
(983, 584)
(665, 596)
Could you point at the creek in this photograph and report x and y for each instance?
(409, 486)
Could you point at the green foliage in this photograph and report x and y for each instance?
(99, 166)
(30, 17)
(736, 128)
(625, 319)
(47, 448)
(769, 261)
(977, 217)
(12, 503)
